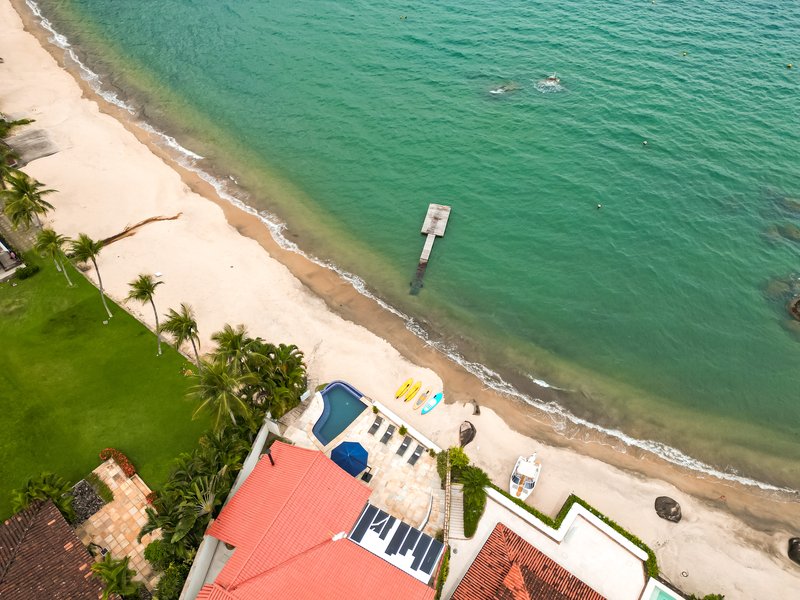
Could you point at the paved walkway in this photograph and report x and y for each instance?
(116, 525)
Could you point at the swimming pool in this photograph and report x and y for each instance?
(342, 405)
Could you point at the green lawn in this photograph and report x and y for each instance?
(71, 386)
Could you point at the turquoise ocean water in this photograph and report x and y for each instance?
(661, 315)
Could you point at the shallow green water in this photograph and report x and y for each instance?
(651, 310)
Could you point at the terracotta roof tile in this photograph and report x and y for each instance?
(509, 568)
(40, 557)
(282, 521)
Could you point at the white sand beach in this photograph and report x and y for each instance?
(223, 262)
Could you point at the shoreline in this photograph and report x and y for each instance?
(554, 407)
(551, 406)
(335, 299)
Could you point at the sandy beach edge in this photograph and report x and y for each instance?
(768, 516)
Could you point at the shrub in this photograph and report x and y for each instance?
(458, 461)
(100, 487)
(160, 554)
(403, 430)
(116, 576)
(708, 597)
(46, 486)
(171, 582)
(374, 410)
(474, 480)
(151, 497)
(441, 466)
(26, 271)
(119, 458)
(444, 571)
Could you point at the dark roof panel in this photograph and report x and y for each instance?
(41, 557)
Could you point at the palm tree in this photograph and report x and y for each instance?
(183, 327)
(86, 249)
(116, 576)
(6, 126)
(142, 289)
(49, 243)
(220, 390)
(8, 158)
(23, 200)
(234, 347)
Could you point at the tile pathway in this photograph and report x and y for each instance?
(116, 525)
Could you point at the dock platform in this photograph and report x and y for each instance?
(433, 226)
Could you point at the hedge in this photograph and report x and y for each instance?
(651, 565)
(444, 571)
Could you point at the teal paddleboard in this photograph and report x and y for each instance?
(431, 404)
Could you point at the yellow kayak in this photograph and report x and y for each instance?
(404, 388)
(413, 391)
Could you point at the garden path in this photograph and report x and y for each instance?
(117, 524)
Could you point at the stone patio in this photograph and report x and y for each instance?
(116, 525)
(411, 493)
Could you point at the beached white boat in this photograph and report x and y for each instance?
(524, 477)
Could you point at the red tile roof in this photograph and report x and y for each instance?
(509, 568)
(40, 557)
(282, 521)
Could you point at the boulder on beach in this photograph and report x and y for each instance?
(668, 509)
(794, 549)
(466, 433)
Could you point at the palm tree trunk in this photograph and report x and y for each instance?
(158, 331)
(196, 355)
(63, 269)
(100, 285)
(58, 266)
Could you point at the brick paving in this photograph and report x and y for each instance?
(117, 524)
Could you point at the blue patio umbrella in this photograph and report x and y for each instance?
(351, 456)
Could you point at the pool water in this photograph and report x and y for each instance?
(342, 405)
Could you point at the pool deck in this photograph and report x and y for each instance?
(412, 493)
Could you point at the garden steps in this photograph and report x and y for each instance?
(457, 512)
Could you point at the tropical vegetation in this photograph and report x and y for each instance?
(7, 126)
(23, 201)
(46, 486)
(182, 326)
(85, 249)
(143, 288)
(117, 577)
(241, 381)
(51, 245)
(8, 162)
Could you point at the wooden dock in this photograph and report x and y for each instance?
(433, 226)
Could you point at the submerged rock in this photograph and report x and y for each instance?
(794, 307)
(789, 231)
(668, 509)
(791, 205)
(794, 549)
(777, 289)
